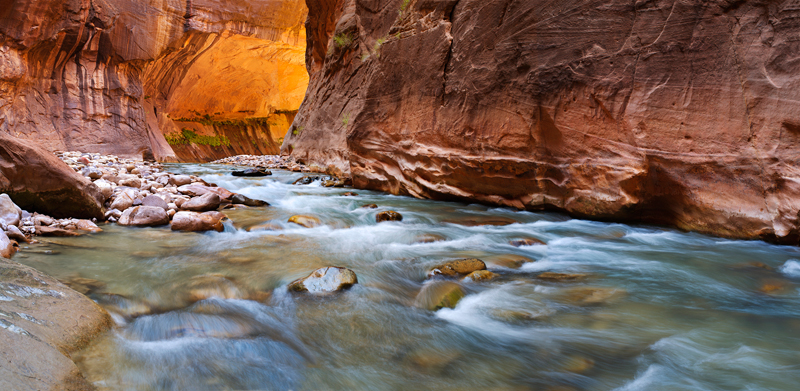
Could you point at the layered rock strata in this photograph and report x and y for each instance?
(115, 77)
(672, 112)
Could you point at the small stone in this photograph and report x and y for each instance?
(204, 203)
(480, 275)
(526, 242)
(131, 181)
(439, 294)
(92, 172)
(370, 206)
(153, 200)
(14, 233)
(179, 180)
(350, 194)
(113, 213)
(388, 215)
(88, 226)
(458, 266)
(144, 216)
(305, 221)
(429, 238)
(106, 188)
(265, 227)
(326, 279)
(43, 220)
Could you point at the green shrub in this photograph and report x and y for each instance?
(342, 40)
(188, 136)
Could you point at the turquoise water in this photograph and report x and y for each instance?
(658, 309)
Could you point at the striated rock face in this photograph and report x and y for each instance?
(112, 76)
(673, 112)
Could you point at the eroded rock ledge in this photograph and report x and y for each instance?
(673, 112)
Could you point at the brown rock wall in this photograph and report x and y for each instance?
(75, 75)
(675, 112)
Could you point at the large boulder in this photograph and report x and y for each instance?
(197, 222)
(203, 203)
(144, 216)
(10, 213)
(326, 279)
(44, 322)
(37, 180)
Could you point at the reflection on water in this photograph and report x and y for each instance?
(657, 310)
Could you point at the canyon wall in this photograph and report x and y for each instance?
(114, 76)
(678, 112)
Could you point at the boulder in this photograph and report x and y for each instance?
(144, 216)
(203, 203)
(88, 226)
(305, 221)
(10, 213)
(326, 279)
(242, 199)
(458, 266)
(113, 213)
(388, 215)
(252, 172)
(43, 220)
(197, 222)
(195, 190)
(153, 200)
(439, 294)
(130, 181)
(92, 172)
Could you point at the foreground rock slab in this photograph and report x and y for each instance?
(326, 279)
(42, 323)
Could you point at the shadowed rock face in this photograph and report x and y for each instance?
(673, 112)
(109, 76)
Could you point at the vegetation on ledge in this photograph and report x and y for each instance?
(187, 137)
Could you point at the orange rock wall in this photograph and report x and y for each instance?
(109, 76)
(679, 112)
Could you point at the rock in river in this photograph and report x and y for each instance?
(252, 172)
(8, 247)
(197, 222)
(458, 266)
(526, 242)
(204, 203)
(144, 216)
(388, 215)
(242, 199)
(305, 221)
(439, 294)
(480, 275)
(326, 279)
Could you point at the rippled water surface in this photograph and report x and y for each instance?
(658, 310)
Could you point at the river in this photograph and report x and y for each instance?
(656, 309)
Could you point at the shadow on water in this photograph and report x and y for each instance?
(653, 308)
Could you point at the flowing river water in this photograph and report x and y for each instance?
(659, 309)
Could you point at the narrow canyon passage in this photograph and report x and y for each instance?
(646, 308)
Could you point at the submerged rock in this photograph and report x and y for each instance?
(305, 221)
(551, 276)
(211, 285)
(242, 199)
(480, 275)
(55, 231)
(439, 294)
(370, 206)
(350, 194)
(388, 215)
(326, 279)
(429, 238)
(204, 203)
(458, 266)
(511, 261)
(10, 213)
(144, 216)
(252, 172)
(197, 222)
(526, 242)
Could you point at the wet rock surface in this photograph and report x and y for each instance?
(388, 215)
(439, 294)
(457, 267)
(197, 222)
(41, 323)
(305, 221)
(325, 280)
(252, 172)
